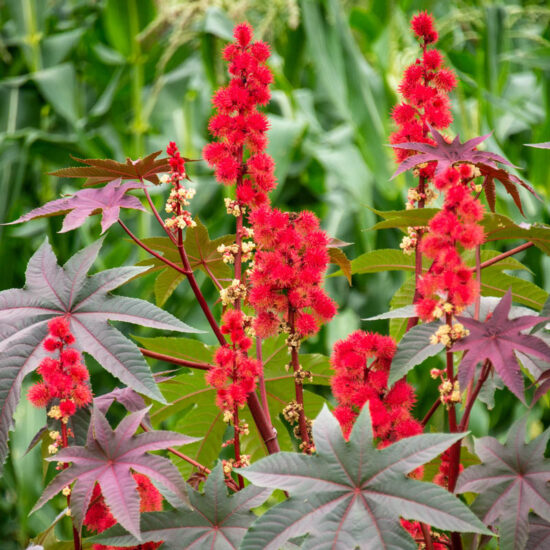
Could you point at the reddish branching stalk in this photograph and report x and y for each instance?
(239, 159)
(303, 426)
(175, 360)
(511, 252)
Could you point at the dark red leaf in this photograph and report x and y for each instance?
(108, 458)
(497, 339)
(446, 154)
(512, 480)
(101, 170)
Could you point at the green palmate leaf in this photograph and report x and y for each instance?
(99, 171)
(497, 339)
(511, 481)
(351, 495)
(217, 521)
(396, 260)
(381, 260)
(498, 227)
(189, 392)
(413, 348)
(202, 253)
(53, 291)
(402, 298)
(496, 283)
(404, 218)
(108, 458)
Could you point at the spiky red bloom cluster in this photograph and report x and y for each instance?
(362, 363)
(64, 379)
(290, 261)
(99, 518)
(422, 25)
(449, 280)
(234, 374)
(425, 88)
(238, 125)
(176, 161)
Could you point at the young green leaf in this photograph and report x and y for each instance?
(108, 458)
(202, 253)
(53, 291)
(512, 480)
(351, 495)
(108, 200)
(497, 339)
(217, 520)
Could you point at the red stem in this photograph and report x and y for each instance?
(295, 361)
(511, 252)
(473, 396)
(427, 536)
(152, 252)
(261, 379)
(430, 413)
(175, 360)
(157, 215)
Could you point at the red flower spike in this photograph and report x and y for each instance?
(290, 260)
(64, 379)
(362, 362)
(238, 125)
(422, 25)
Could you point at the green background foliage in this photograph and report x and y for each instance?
(118, 78)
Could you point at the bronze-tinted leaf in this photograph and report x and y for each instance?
(99, 171)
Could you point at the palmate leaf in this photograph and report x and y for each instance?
(52, 291)
(192, 400)
(539, 533)
(512, 480)
(108, 458)
(351, 495)
(218, 521)
(106, 200)
(99, 171)
(496, 340)
(202, 254)
(509, 181)
(446, 154)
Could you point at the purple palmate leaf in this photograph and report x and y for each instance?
(446, 154)
(53, 291)
(496, 340)
(512, 480)
(109, 458)
(217, 520)
(108, 200)
(351, 494)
